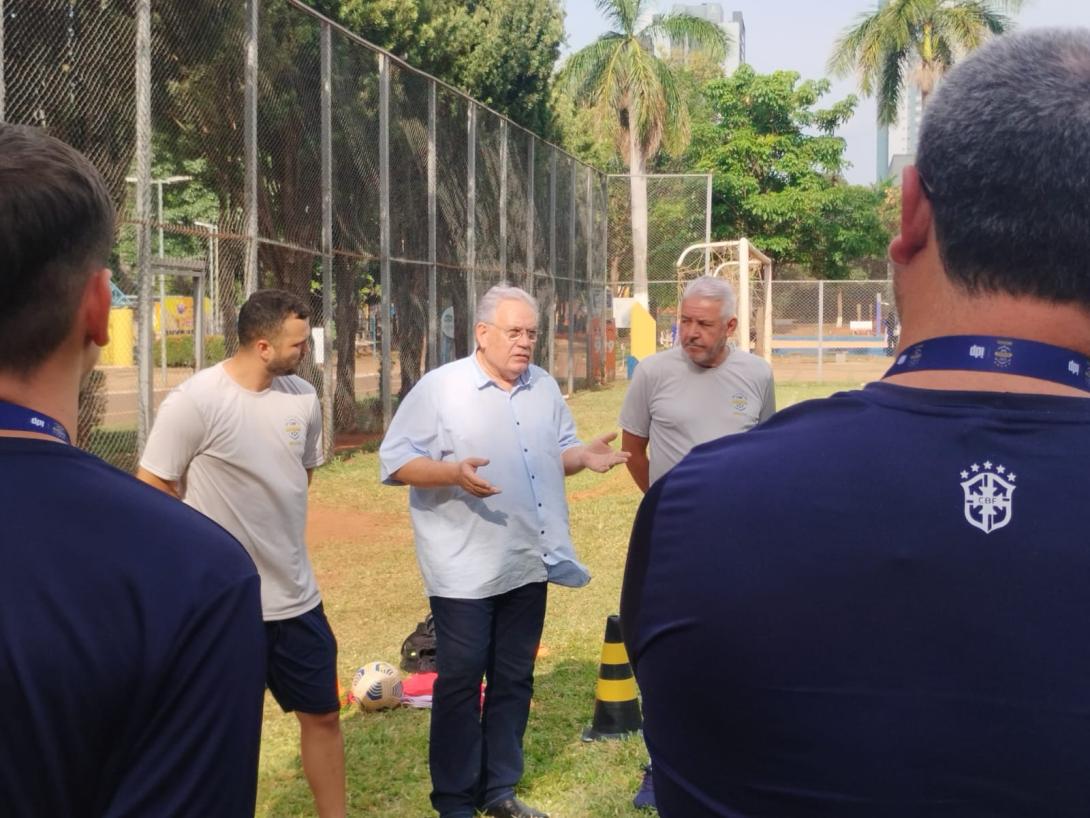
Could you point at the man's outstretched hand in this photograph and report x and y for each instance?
(470, 481)
(599, 456)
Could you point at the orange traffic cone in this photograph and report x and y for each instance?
(616, 707)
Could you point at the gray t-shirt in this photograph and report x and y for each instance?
(241, 458)
(678, 405)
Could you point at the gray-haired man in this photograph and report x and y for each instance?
(697, 391)
(485, 442)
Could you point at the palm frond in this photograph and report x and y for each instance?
(679, 28)
(583, 74)
(891, 86)
(859, 48)
(623, 14)
(677, 125)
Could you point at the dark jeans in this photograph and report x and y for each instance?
(475, 757)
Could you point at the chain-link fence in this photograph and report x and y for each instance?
(833, 330)
(257, 144)
(652, 219)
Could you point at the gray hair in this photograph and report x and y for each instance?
(714, 289)
(490, 301)
(1003, 155)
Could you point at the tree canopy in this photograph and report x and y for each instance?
(779, 168)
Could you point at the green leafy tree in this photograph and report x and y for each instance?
(778, 169)
(619, 75)
(501, 52)
(914, 41)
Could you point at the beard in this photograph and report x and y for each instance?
(282, 366)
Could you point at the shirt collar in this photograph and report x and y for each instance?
(481, 379)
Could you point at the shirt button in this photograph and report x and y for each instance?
(532, 477)
(539, 505)
(543, 531)
(526, 450)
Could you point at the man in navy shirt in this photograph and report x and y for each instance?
(889, 614)
(131, 643)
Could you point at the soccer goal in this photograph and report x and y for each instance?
(727, 259)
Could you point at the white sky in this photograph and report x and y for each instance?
(798, 35)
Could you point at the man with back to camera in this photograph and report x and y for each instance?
(692, 393)
(238, 442)
(131, 669)
(905, 637)
(696, 391)
(485, 443)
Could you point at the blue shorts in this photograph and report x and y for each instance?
(302, 663)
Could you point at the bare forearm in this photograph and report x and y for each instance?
(425, 473)
(640, 469)
(638, 465)
(166, 486)
(574, 460)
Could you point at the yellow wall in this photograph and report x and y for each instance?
(119, 351)
(643, 332)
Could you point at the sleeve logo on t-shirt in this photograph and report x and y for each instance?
(989, 491)
(294, 428)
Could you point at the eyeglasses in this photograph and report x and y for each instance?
(514, 333)
(927, 191)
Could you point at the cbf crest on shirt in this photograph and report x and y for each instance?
(989, 495)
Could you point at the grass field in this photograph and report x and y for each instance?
(361, 546)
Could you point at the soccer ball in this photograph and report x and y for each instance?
(377, 686)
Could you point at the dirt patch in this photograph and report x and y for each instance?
(349, 441)
(327, 524)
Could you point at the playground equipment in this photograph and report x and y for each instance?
(750, 272)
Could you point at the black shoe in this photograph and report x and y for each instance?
(513, 808)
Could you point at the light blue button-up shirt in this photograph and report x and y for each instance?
(474, 547)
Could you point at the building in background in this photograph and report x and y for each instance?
(735, 29)
(897, 142)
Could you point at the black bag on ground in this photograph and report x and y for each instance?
(418, 649)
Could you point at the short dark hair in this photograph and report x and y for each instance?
(264, 313)
(1003, 155)
(56, 228)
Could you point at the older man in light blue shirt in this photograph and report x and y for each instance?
(485, 443)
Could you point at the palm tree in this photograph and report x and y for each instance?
(917, 39)
(620, 74)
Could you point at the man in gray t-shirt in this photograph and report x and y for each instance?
(697, 391)
(238, 442)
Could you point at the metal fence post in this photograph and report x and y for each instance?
(328, 370)
(433, 286)
(2, 86)
(250, 139)
(503, 198)
(573, 204)
(471, 222)
(552, 257)
(199, 318)
(744, 305)
(821, 331)
(162, 287)
(384, 234)
(530, 216)
(592, 375)
(708, 227)
(144, 395)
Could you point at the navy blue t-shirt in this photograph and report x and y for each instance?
(132, 653)
(873, 605)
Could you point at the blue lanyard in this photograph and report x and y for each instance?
(1008, 356)
(16, 418)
